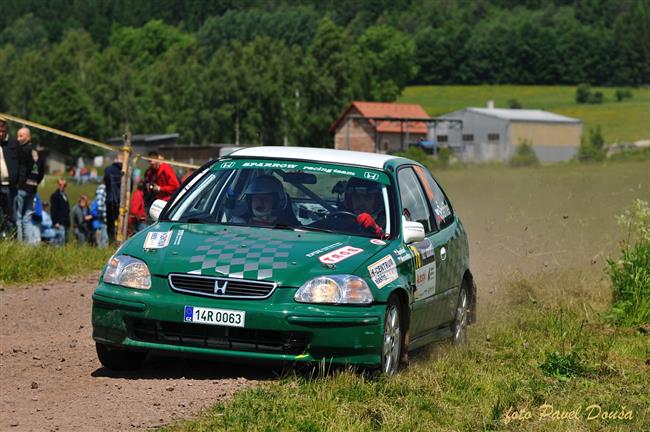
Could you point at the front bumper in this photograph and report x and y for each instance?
(276, 329)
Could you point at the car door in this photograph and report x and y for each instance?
(426, 308)
(448, 244)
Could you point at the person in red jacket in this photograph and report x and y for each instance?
(364, 199)
(160, 180)
(137, 213)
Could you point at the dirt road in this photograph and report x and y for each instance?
(51, 378)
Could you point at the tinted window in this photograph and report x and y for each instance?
(414, 204)
(442, 210)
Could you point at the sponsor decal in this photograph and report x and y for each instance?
(442, 211)
(327, 170)
(383, 271)
(179, 237)
(157, 239)
(378, 242)
(323, 249)
(339, 255)
(277, 165)
(423, 253)
(424, 260)
(227, 164)
(401, 254)
(371, 175)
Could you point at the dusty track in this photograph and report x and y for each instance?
(51, 379)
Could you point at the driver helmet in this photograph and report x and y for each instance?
(359, 186)
(266, 185)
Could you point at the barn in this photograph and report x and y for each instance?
(380, 127)
(492, 134)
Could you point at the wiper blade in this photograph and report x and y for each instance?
(310, 228)
(282, 226)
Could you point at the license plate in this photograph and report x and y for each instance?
(222, 317)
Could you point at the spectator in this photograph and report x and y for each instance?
(98, 213)
(160, 181)
(30, 174)
(8, 180)
(80, 218)
(32, 226)
(113, 180)
(60, 212)
(48, 233)
(137, 215)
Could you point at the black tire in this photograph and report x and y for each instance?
(459, 326)
(119, 359)
(393, 338)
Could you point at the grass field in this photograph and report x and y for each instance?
(620, 121)
(539, 240)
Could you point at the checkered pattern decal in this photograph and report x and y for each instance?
(242, 256)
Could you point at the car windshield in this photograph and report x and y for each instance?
(287, 195)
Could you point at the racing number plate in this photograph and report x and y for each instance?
(222, 317)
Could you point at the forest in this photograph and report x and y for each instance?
(277, 72)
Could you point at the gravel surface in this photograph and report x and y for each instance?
(50, 378)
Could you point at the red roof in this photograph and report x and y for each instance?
(384, 109)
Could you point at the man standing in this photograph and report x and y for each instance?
(8, 180)
(160, 181)
(60, 212)
(113, 180)
(81, 218)
(30, 173)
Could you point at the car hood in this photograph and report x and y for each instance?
(284, 256)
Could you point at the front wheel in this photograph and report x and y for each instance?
(459, 326)
(393, 338)
(119, 359)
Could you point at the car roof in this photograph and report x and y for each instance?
(344, 157)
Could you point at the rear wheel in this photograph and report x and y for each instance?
(459, 326)
(119, 359)
(393, 338)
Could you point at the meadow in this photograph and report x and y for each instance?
(625, 121)
(539, 240)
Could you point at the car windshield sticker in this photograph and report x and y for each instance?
(157, 239)
(442, 210)
(339, 254)
(383, 271)
(425, 268)
(323, 249)
(178, 238)
(242, 255)
(377, 242)
(349, 171)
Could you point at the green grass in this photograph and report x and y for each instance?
(506, 367)
(74, 190)
(620, 121)
(23, 264)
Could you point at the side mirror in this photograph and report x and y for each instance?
(412, 231)
(157, 208)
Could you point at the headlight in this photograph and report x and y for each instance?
(127, 271)
(338, 289)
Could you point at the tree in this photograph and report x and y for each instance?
(593, 148)
(388, 61)
(63, 105)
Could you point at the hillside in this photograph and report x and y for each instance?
(620, 121)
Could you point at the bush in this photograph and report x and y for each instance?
(514, 104)
(596, 98)
(623, 93)
(593, 148)
(524, 155)
(583, 92)
(630, 275)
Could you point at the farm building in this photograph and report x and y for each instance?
(492, 134)
(379, 127)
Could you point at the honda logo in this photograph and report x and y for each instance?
(371, 175)
(220, 287)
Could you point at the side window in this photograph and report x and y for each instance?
(442, 210)
(414, 204)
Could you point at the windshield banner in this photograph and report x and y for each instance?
(306, 167)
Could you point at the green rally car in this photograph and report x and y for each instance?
(295, 255)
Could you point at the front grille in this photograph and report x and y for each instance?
(218, 337)
(220, 287)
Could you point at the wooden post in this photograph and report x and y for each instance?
(125, 189)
